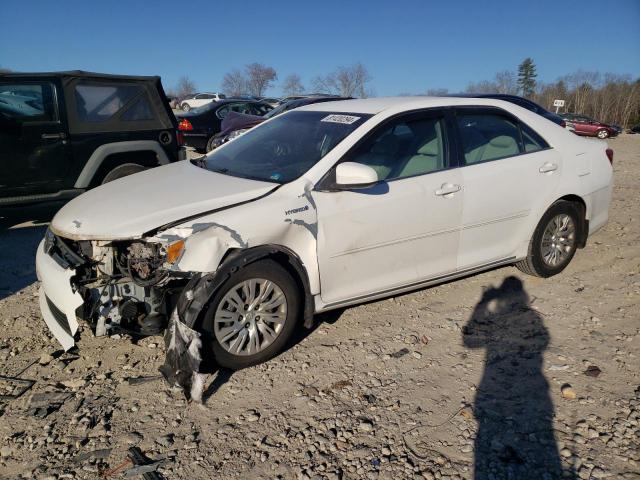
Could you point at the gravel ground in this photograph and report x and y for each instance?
(494, 376)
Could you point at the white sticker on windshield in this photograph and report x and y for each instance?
(346, 119)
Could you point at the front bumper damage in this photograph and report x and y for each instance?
(58, 301)
(84, 282)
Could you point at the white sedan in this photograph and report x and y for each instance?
(325, 206)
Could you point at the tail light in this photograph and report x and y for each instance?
(185, 125)
(180, 139)
(609, 152)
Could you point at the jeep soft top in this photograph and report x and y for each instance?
(65, 132)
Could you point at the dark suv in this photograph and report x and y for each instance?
(65, 132)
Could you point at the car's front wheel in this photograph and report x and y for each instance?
(602, 133)
(554, 241)
(186, 107)
(252, 316)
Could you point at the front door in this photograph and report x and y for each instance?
(403, 230)
(34, 152)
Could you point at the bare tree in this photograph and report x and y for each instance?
(185, 87)
(235, 83)
(292, 85)
(506, 82)
(351, 81)
(484, 86)
(609, 98)
(5, 70)
(259, 78)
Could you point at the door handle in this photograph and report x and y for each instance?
(548, 168)
(53, 136)
(447, 188)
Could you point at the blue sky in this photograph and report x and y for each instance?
(407, 45)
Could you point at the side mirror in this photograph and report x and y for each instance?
(355, 175)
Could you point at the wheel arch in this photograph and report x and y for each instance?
(101, 157)
(197, 293)
(583, 232)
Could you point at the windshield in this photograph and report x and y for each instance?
(283, 149)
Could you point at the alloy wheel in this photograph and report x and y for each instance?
(250, 316)
(558, 240)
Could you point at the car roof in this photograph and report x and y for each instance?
(377, 105)
(78, 74)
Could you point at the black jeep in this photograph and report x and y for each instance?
(65, 132)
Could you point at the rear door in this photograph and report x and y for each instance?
(401, 231)
(34, 151)
(510, 173)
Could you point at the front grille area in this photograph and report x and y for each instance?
(59, 316)
(66, 253)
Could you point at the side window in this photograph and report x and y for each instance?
(28, 102)
(488, 137)
(222, 112)
(98, 102)
(532, 141)
(405, 148)
(258, 109)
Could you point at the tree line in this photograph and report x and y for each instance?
(608, 97)
(256, 78)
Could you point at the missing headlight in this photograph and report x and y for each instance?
(142, 262)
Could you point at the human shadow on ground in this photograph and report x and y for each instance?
(515, 438)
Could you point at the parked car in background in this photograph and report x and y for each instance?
(635, 129)
(589, 127)
(198, 127)
(235, 124)
(525, 103)
(200, 100)
(174, 102)
(62, 133)
(274, 102)
(322, 207)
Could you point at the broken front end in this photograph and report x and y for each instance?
(115, 286)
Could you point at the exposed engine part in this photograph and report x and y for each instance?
(142, 262)
(128, 306)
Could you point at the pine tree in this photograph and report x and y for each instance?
(527, 77)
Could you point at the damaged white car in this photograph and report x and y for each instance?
(326, 206)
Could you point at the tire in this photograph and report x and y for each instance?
(602, 134)
(214, 333)
(212, 144)
(185, 107)
(539, 261)
(122, 171)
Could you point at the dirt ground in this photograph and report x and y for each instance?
(465, 380)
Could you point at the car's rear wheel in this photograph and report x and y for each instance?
(122, 171)
(602, 133)
(213, 143)
(186, 107)
(252, 316)
(554, 241)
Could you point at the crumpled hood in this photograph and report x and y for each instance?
(128, 207)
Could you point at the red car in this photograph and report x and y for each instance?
(589, 127)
